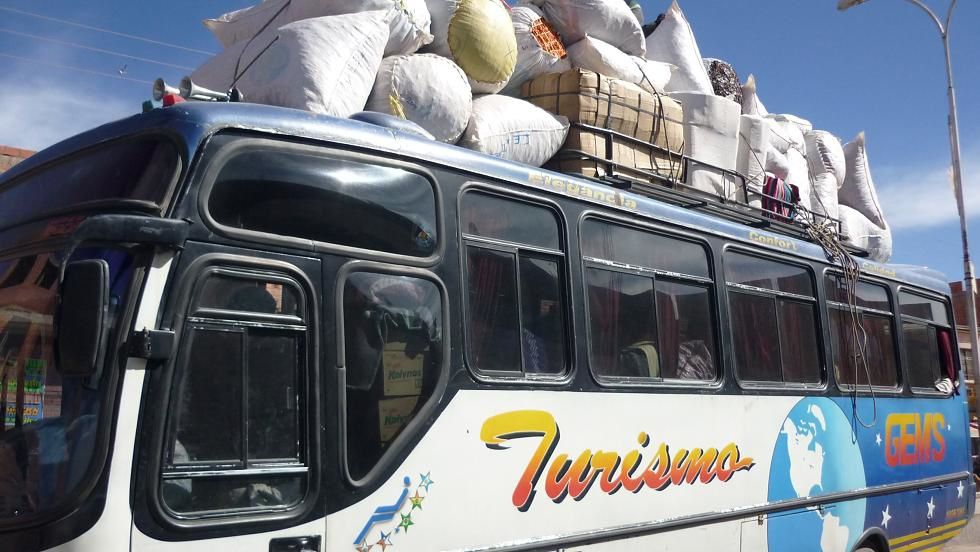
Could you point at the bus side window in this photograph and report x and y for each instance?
(650, 300)
(773, 318)
(869, 335)
(515, 274)
(235, 432)
(393, 344)
(927, 340)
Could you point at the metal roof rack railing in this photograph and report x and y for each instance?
(672, 188)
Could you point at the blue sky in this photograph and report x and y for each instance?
(877, 67)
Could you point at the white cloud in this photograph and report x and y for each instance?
(922, 197)
(40, 112)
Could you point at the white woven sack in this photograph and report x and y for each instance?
(408, 24)
(751, 104)
(478, 35)
(753, 143)
(799, 176)
(711, 126)
(601, 57)
(532, 59)
(786, 135)
(429, 90)
(514, 129)
(863, 233)
(825, 157)
(219, 72)
(293, 72)
(777, 163)
(611, 21)
(673, 42)
(858, 190)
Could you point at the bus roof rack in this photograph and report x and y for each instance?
(670, 189)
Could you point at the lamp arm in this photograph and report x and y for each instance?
(932, 15)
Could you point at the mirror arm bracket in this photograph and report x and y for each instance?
(150, 344)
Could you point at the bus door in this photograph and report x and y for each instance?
(232, 441)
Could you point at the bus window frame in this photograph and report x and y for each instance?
(950, 327)
(711, 283)
(564, 283)
(181, 309)
(217, 156)
(815, 300)
(412, 431)
(899, 387)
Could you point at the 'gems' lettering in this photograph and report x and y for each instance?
(912, 440)
(567, 477)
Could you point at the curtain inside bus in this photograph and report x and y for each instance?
(49, 427)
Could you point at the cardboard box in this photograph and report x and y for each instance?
(587, 98)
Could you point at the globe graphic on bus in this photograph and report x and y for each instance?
(815, 453)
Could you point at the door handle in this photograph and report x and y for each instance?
(295, 544)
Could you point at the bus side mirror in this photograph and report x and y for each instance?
(83, 306)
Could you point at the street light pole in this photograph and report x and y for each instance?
(969, 278)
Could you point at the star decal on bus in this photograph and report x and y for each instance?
(395, 517)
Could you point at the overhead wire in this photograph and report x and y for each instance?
(107, 31)
(94, 49)
(73, 68)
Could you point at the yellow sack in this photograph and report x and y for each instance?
(478, 35)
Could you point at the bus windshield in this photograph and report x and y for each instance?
(52, 422)
(48, 432)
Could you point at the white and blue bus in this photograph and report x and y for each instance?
(238, 327)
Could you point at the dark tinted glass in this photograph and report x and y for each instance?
(612, 242)
(879, 352)
(207, 419)
(248, 295)
(798, 342)
(492, 315)
(50, 422)
(623, 338)
(687, 336)
(273, 395)
(193, 496)
(922, 354)
(490, 216)
(136, 168)
(311, 196)
(542, 318)
(754, 328)
(766, 274)
(393, 344)
(867, 295)
(920, 307)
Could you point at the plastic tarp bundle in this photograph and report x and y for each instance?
(287, 67)
(724, 79)
(753, 143)
(408, 20)
(478, 35)
(825, 156)
(611, 21)
(751, 104)
(539, 48)
(711, 127)
(514, 129)
(428, 90)
(861, 232)
(600, 57)
(673, 42)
